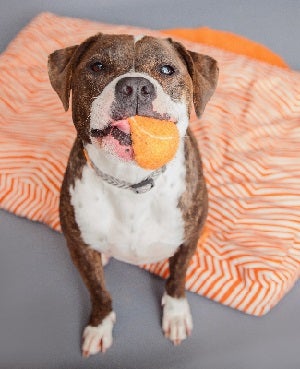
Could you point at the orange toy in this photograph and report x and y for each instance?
(154, 141)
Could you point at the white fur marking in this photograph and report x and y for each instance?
(104, 259)
(137, 38)
(133, 228)
(177, 321)
(96, 339)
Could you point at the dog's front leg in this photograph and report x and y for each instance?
(97, 336)
(177, 320)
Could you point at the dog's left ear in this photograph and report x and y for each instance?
(204, 72)
(60, 68)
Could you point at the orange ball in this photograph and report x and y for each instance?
(154, 141)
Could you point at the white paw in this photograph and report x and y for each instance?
(177, 321)
(105, 259)
(98, 339)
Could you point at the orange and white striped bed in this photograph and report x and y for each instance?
(249, 137)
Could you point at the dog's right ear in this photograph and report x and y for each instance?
(204, 72)
(60, 68)
(60, 72)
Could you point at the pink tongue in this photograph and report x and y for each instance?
(113, 145)
(123, 125)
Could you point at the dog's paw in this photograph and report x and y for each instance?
(98, 339)
(177, 321)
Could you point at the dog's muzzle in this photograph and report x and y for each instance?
(133, 96)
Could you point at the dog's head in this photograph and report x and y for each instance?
(113, 77)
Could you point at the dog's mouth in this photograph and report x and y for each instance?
(116, 139)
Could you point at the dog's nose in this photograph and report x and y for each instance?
(135, 88)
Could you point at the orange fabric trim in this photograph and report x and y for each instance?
(230, 42)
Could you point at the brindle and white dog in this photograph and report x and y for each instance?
(109, 206)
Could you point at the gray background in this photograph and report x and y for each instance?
(43, 303)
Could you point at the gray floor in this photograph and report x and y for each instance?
(43, 303)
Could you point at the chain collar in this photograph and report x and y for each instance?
(141, 187)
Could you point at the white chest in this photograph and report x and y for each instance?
(135, 228)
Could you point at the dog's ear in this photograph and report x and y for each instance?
(60, 68)
(60, 73)
(204, 72)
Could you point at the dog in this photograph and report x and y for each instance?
(110, 206)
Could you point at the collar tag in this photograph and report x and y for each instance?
(143, 186)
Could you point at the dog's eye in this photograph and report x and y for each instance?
(97, 67)
(167, 70)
